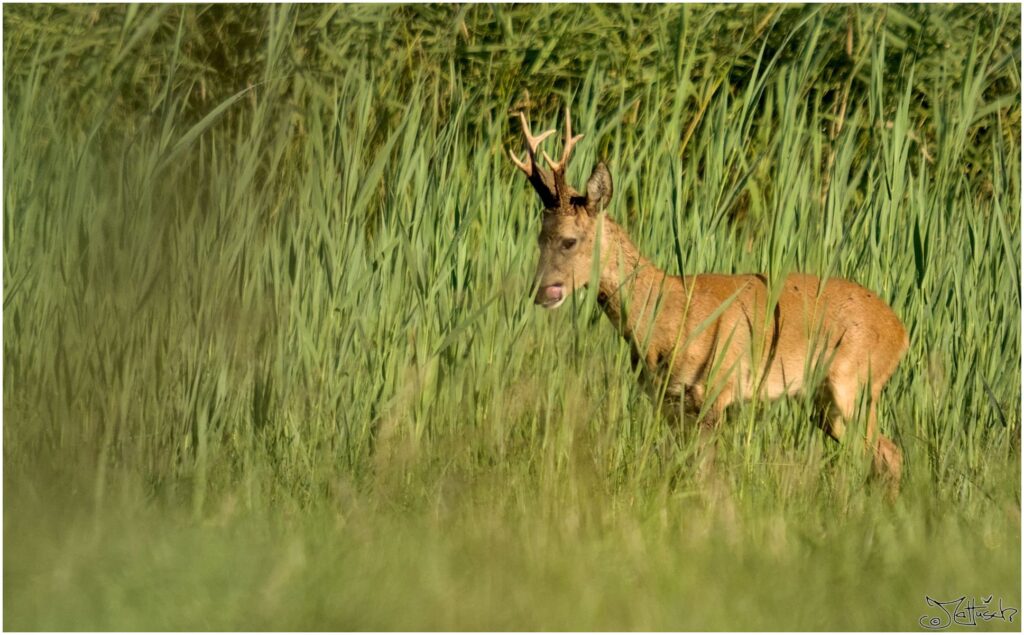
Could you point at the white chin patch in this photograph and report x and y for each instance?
(555, 305)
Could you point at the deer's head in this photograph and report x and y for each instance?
(569, 226)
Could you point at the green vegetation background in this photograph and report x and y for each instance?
(270, 361)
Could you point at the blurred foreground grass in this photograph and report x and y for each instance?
(269, 360)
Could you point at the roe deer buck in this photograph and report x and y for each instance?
(681, 328)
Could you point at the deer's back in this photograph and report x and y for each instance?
(771, 346)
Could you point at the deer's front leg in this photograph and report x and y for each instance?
(697, 399)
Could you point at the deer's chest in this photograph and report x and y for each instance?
(669, 380)
(656, 374)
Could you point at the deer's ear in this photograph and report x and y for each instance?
(599, 189)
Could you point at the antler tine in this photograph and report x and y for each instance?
(532, 143)
(570, 142)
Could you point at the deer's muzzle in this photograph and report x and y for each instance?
(550, 296)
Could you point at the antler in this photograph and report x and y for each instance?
(570, 143)
(532, 143)
(541, 179)
(551, 186)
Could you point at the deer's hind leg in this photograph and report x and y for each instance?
(887, 460)
(887, 457)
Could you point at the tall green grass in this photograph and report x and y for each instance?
(270, 359)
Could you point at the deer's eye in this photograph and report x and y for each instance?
(568, 243)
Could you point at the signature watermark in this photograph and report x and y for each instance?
(965, 611)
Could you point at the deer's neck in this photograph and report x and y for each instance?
(630, 284)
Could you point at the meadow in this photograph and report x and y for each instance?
(270, 359)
